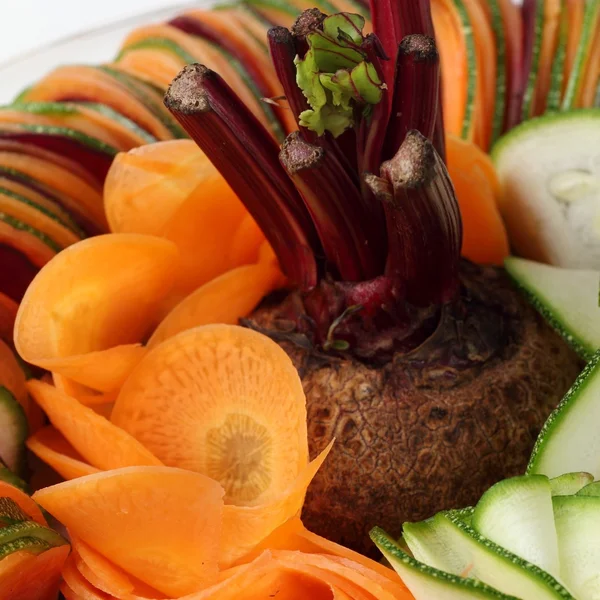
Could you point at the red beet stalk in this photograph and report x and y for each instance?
(247, 156)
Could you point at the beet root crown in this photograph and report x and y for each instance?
(357, 204)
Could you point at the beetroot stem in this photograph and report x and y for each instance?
(247, 157)
(416, 86)
(340, 215)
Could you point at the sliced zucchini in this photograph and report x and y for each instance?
(13, 425)
(566, 298)
(592, 489)
(501, 69)
(30, 529)
(517, 514)
(20, 226)
(557, 73)
(11, 478)
(30, 545)
(549, 171)
(447, 544)
(533, 22)
(11, 513)
(427, 583)
(570, 483)
(570, 439)
(578, 527)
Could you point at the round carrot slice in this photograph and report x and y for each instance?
(79, 584)
(33, 577)
(49, 445)
(223, 401)
(84, 311)
(159, 524)
(101, 444)
(26, 504)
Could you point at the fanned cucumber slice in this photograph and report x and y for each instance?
(566, 298)
(427, 583)
(592, 489)
(447, 544)
(501, 72)
(13, 425)
(558, 64)
(570, 438)
(11, 513)
(578, 527)
(11, 478)
(533, 16)
(570, 483)
(31, 545)
(549, 172)
(467, 31)
(30, 529)
(517, 515)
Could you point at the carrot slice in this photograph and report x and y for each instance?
(36, 251)
(226, 299)
(101, 444)
(485, 240)
(50, 446)
(8, 314)
(162, 525)
(223, 401)
(244, 527)
(85, 395)
(26, 504)
(69, 315)
(33, 577)
(246, 242)
(591, 81)
(79, 584)
(146, 186)
(575, 17)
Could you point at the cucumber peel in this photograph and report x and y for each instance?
(30, 529)
(14, 428)
(570, 483)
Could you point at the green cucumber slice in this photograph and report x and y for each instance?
(538, 32)
(158, 43)
(467, 31)
(30, 529)
(592, 489)
(447, 544)
(578, 527)
(549, 171)
(28, 544)
(577, 75)
(570, 439)
(566, 298)
(427, 583)
(501, 76)
(14, 428)
(11, 478)
(20, 226)
(558, 64)
(109, 112)
(570, 483)
(11, 513)
(517, 515)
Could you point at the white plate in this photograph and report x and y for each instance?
(91, 47)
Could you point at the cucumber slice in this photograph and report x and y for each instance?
(20, 226)
(566, 298)
(501, 75)
(11, 513)
(517, 515)
(533, 17)
(570, 483)
(30, 529)
(31, 545)
(558, 64)
(578, 527)
(446, 543)
(13, 425)
(570, 439)
(592, 489)
(591, 19)
(427, 583)
(11, 478)
(549, 171)
(158, 44)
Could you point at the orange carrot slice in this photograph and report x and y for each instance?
(50, 446)
(223, 401)
(591, 81)
(36, 251)
(575, 17)
(79, 585)
(33, 577)
(26, 504)
(8, 314)
(145, 187)
(244, 527)
(101, 444)
(162, 525)
(226, 299)
(246, 242)
(85, 395)
(69, 313)
(484, 236)
(12, 376)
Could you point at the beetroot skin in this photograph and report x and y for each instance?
(434, 428)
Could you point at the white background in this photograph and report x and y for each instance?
(28, 24)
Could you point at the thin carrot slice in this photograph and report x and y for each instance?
(60, 178)
(162, 525)
(85, 395)
(146, 186)
(246, 242)
(8, 314)
(223, 401)
(484, 236)
(35, 250)
(575, 17)
(79, 584)
(226, 299)
(12, 376)
(34, 577)
(108, 577)
(244, 527)
(26, 504)
(51, 447)
(101, 444)
(591, 81)
(96, 298)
